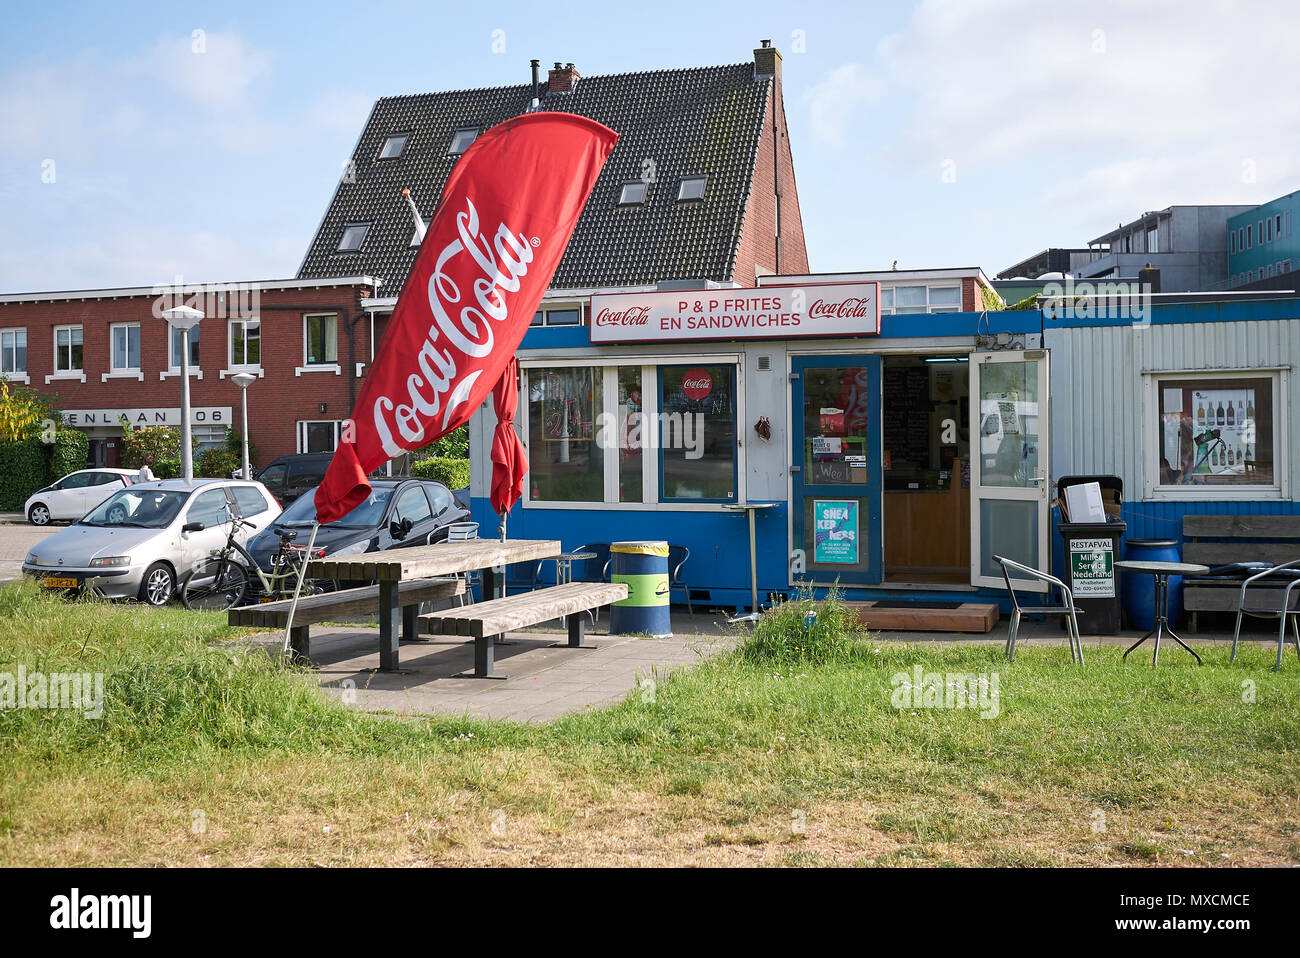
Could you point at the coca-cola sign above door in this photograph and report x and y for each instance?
(768, 312)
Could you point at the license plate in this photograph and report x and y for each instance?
(58, 582)
(264, 599)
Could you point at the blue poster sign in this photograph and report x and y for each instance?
(835, 531)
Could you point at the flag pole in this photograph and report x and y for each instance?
(302, 571)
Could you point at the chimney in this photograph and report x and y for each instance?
(562, 79)
(1149, 279)
(767, 61)
(537, 77)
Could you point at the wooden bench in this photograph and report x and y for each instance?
(1223, 540)
(314, 609)
(486, 620)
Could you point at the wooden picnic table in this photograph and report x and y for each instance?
(394, 566)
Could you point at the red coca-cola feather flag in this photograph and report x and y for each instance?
(504, 220)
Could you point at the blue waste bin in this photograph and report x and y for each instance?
(1139, 590)
(643, 568)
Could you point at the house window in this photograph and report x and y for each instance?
(460, 141)
(354, 234)
(563, 316)
(1153, 242)
(13, 352)
(209, 437)
(691, 188)
(1216, 431)
(910, 299)
(1270, 229)
(321, 339)
(945, 299)
(67, 349)
(697, 433)
(1250, 237)
(321, 435)
(126, 347)
(177, 341)
(632, 194)
(1232, 242)
(393, 146)
(565, 462)
(245, 342)
(1259, 232)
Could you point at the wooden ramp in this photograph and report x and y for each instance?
(901, 616)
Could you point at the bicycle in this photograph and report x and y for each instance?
(209, 589)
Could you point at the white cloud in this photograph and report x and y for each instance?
(833, 101)
(217, 70)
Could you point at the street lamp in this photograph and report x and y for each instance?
(184, 318)
(243, 381)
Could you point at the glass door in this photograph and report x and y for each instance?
(1009, 476)
(835, 469)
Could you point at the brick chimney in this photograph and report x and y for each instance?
(562, 79)
(767, 60)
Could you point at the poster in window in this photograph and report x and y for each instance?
(835, 532)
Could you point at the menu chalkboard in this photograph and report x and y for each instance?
(907, 414)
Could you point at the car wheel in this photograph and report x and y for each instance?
(158, 584)
(39, 514)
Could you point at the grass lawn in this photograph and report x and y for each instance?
(787, 751)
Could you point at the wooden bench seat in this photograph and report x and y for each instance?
(314, 609)
(486, 620)
(1222, 540)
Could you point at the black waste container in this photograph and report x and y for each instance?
(1091, 549)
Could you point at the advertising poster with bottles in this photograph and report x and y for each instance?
(1230, 412)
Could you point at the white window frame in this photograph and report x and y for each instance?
(1150, 435)
(701, 179)
(77, 374)
(231, 366)
(649, 414)
(302, 432)
(547, 308)
(455, 138)
(115, 371)
(622, 193)
(173, 370)
(930, 308)
(404, 137)
(310, 367)
(16, 375)
(348, 227)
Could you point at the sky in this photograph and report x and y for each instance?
(144, 141)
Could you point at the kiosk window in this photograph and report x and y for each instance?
(1215, 431)
(697, 432)
(564, 407)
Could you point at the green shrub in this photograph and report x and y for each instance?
(68, 452)
(22, 471)
(158, 447)
(454, 445)
(452, 473)
(787, 636)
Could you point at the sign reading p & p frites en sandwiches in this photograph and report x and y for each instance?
(768, 312)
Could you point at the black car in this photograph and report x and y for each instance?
(290, 476)
(397, 513)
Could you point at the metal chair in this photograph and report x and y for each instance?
(1283, 612)
(677, 556)
(1066, 609)
(464, 532)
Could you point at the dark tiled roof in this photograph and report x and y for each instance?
(674, 122)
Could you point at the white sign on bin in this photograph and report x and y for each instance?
(1092, 568)
(1083, 502)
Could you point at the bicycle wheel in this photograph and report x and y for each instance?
(215, 591)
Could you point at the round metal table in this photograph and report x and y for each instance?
(1161, 571)
(564, 565)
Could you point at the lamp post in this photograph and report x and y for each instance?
(243, 381)
(184, 318)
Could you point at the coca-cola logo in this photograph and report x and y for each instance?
(697, 383)
(632, 316)
(465, 302)
(854, 306)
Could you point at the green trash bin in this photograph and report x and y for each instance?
(643, 568)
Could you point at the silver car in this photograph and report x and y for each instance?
(141, 541)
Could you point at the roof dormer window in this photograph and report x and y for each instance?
(633, 193)
(393, 146)
(691, 188)
(354, 234)
(461, 139)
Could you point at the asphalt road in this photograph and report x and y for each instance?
(15, 542)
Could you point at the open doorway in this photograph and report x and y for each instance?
(926, 466)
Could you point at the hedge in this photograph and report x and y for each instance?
(452, 473)
(69, 452)
(22, 471)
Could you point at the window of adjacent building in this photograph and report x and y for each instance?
(245, 342)
(208, 436)
(1270, 229)
(67, 349)
(393, 146)
(945, 299)
(1259, 232)
(1250, 237)
(632, 194)
(1153, 240)
(691, 188)
(461, 139)
(321, 435)
(1232, 242)
(354, 234)
(13, 351)
(564, 408)
(177, 344)
(560, 316)
(321, 339)
(1286, 221)
(1216, 431)
(697, 433)
(910, 299)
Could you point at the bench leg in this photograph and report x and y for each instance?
(410, 623)
(300, 644)
(389, 614)
(578, 632)
(485, 657)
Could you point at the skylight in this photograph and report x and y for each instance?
(354, 234)
(460, 141)
(393, 146)
(691, 188)
(633, 193)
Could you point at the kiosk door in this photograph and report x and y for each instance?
(835, 469)
(1009, 445)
